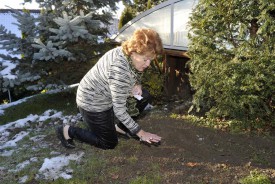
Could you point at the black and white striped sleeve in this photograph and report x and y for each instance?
(120, 83)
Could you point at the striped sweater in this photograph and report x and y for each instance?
(108, 84)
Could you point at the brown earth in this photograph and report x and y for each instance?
(190, 154)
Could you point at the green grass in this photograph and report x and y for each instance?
(151, 179)
(95, 166)
(121, 165)
(63, 101)
(26, 148)
(255, 178)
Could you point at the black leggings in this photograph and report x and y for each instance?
(147, 98)
(102, 131)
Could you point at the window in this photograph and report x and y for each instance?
(169, 19)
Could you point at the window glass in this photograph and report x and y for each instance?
(159, 20)
(182, 12)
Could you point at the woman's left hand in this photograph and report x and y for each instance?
(137, 90)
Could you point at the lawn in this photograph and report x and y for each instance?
(189, 153)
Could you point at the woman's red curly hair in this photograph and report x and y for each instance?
(143, 41)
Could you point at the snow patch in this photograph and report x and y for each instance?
(53, 168)
(8, 67)
(15, 139)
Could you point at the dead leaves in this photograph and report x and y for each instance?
(191, 164)
(114, 176)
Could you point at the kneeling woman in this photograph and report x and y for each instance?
(103, 92)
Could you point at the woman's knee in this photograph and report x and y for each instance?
(112, 145)
(108, 144)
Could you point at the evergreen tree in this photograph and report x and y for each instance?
(149, 4)
(49, 51)
(233, 60)
(127, 15)
(142, 5)
(10, 43)
(64, 30)
(26, 24)
(18, 51)
(133, 8)
(75, 26)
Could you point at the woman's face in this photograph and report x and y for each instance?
(141, 61)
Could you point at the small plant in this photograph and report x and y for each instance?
(255, 178)
(174, 116)
(5, 101)
(133, 159)
(207, 122)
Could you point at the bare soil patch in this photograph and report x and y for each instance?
(194, 154)
(188, 154)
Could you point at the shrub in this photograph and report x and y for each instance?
(153, 79)
(233, 60)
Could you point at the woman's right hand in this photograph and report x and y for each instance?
(137, 90)
(148, 137)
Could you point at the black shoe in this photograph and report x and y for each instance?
(66, 143)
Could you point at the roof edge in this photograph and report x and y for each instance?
(12, 10)
(143, 14)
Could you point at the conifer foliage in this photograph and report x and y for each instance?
(233, 60)
(65, 30)
(135, 7)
